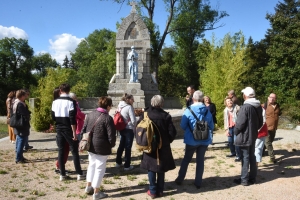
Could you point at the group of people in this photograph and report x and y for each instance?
(243, 126)
(250, 129)
(15, 104)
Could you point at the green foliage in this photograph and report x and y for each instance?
(95, 59)
(224, 69)
(15, 67)
(282, 73)
(41, 117)
(256, 60)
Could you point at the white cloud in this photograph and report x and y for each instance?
(62, 45)
(12, 32)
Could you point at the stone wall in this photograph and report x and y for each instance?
(92, 102)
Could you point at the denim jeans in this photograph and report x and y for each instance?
(156, 186)
(63, 137)
(126, 140)
(231, 141)
(259, 145)
(237, 149)
(188, 155)
(248, 158)
(20, 143)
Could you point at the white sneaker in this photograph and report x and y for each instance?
(62, 178)
(118, 165)
(88, 189)
(128, 168)
(80, 177)
(99, 195)
(13, 142)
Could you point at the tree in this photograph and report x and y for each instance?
(224, 70)
(282, 73)
(191, 19)
(256, 60)
(95, 58)
(41, 117)
(43, 61)
(15, 67)
(158, 39)
(66, 62)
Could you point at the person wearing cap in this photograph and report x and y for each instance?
(249, 121)
(133, 65)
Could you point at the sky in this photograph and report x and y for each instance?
(58, 26)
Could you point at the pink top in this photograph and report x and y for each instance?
(230, 120)
(80, 116)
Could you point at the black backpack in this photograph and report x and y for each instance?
(201, 130)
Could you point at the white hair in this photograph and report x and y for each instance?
(72, 95)
(157, 101)
(198, 96)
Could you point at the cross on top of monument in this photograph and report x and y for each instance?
(133, 4)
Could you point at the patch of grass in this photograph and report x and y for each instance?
(24, 190)
(43, 176)
(3, 172)
(14, 175)
(143, 182)
(131, 177)
(107, 181)
(83, 196)
(231, 165)
(289, 167)
(20, 196)
(3, 131)
(31, 198)
(71, 195)
(116, 177)
(60, 189)
(13, 190)
(101, 188)
(27, 180)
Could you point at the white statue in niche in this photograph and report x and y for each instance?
(133, 65)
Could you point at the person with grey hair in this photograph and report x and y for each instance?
(187, 123)
(249, 121)
(164, 124)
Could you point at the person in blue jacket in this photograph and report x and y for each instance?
(200, 146)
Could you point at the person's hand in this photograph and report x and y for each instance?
(74, 137)
(227, 133)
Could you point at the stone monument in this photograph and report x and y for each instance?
(133, 32)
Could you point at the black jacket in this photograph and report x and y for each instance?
(249, 120)
(23, 110)
(104, 135)
(168, 133)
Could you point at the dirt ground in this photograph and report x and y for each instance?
(37, 179)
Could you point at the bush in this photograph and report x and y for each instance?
(41, 117)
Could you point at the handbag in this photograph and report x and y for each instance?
(201, 130)
(85, 142)
(16, 121)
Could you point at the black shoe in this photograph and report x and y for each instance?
(22, 161)
(237, 159)
(229, 156)
(178, 182)
(237, 181)
(198, 187)
(28, 147)
(245, 183)
(251, 181)
(58, 171)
